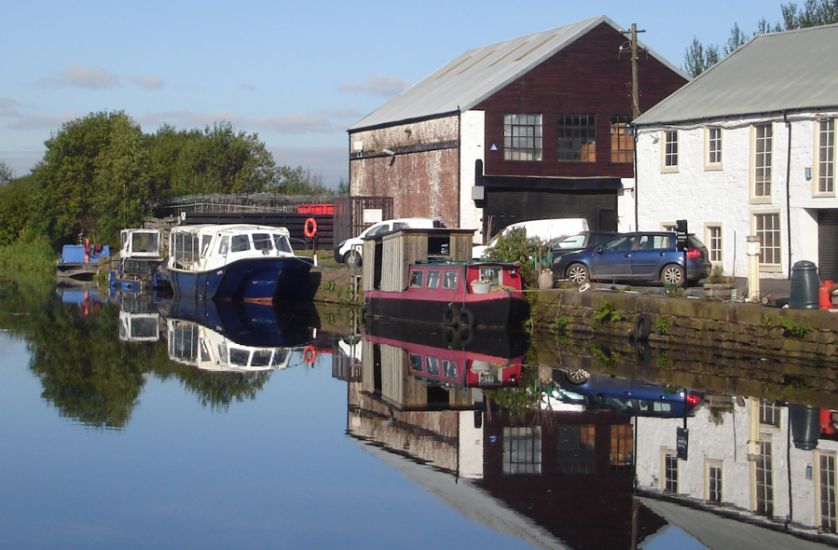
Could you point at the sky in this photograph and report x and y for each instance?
(297, 74)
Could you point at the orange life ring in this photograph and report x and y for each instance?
(309, 355)
(310, 228)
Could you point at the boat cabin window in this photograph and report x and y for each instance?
(490, 275)
(239, 243)
(261, 358)
(144, 242)
(433, 279)
(224, 245)
(416, 278)
(239, 357)
(205, 245)
(185, 247)
(281, 243)
(433, 365)
(449, 368)
(416, 362)
(450, 280)
(262, 241)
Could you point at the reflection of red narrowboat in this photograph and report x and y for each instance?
(457, 367)
(464, 294)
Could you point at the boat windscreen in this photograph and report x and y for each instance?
(282, 244)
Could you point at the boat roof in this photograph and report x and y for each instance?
(230, 228)
(462, 263)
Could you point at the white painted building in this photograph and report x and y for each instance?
(744, 462)
(749, 148)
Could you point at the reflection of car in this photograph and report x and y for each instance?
(625, 396)
(646, 256)
(349, 251)
(577, 242)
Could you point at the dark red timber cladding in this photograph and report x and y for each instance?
(590, 76)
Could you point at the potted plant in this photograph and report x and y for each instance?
(717, 285)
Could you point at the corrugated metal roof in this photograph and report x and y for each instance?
(477, 74)
(792, 70)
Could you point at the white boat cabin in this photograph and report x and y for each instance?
(140, 243)
(207, 247)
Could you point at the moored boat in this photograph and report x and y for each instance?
(236, 262)
(80, 262)
(466, 295)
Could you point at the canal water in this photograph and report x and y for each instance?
(135, 422)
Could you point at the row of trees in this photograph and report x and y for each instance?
(101, 173)
(699, 57)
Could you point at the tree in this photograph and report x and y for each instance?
(6, 173)
(698, 57)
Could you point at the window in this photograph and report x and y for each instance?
(223, 245)
(490, 275)
(449, 369)
(713, 238)
(622, 140)
(416, 278)
(432, 364)
(415, 362)
(826, 157)
(522, 450)
(764, 480)
(713, 481)
(205, 245)
(239, 243)
(767, 227)
(762, 161)
(281, 243)
(769, 414)
(576, 449)
(826, 491)
(576, 138)
(450, 280)
(433, 279)
(622, 442)
(522, 137)
(670, 472)
(620, 243)
(262, 241)
(670, 150)
(713, 158)
(654, 242)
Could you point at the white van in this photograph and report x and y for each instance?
(544, 230)
(350, 251)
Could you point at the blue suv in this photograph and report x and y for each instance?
(645, 256)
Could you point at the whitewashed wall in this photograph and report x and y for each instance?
(706, 196)
(472, 132)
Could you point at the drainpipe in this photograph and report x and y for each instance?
(788, 188)
(636, 217)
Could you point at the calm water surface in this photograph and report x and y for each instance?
(113, 437)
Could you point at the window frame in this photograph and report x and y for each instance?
(713, 494)
(667, 484)
(669, 150)
(820, 484)
(708, 242)
(582, 128)
(769, 266)
(513, 151)
(620, 136)
(762, 172)
(832, 148)
(709, 151)
(762, 486)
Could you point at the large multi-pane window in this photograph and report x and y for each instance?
(763, 136)
(826, 491)
(713, 240)
(714, 147)
(576, 138)
(575, 451)
(769, 413)
(622, 445)
(622, 140)
(522, 450)
(826, 156)
(767, 227)
(670, 473)
(764, 480)
(670, 149)
(522, 137)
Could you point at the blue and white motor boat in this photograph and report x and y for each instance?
(251, 263)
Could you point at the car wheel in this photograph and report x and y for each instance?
(578, 273)
(577, 376)
(673, 274)
(352, 259)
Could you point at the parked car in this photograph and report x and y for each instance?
(580, 241)
(625, 396)
(645, 256)
(350, 251)
(545, 230)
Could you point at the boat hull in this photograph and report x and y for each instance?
(251, 279)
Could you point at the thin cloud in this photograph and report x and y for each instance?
(385, 85)
(9, 108)
(90, 78)
(148, 82)
(292, 123)
(247, 87)
(39, 122)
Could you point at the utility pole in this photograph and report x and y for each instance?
(635, 95)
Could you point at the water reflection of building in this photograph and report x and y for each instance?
(565, 474)
(749, 459)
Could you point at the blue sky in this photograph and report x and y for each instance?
(296, 73)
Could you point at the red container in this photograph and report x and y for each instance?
(825, 294)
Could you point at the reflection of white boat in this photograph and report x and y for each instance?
(202, 347)
(139, 327)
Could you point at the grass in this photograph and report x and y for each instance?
(34, 259)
